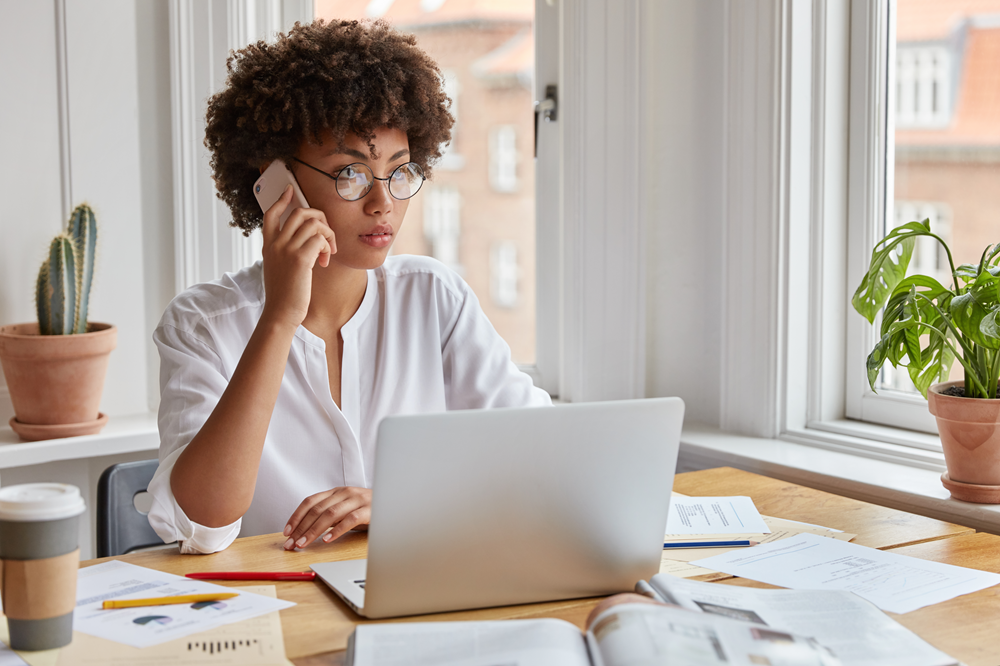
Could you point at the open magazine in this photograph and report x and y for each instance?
(629, 634)
(855, 630)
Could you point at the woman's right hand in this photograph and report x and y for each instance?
(290, 253)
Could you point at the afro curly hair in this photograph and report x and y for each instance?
(341, 77)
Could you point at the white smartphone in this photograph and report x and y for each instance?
(270, 186)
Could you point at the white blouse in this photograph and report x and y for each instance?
(418, 343)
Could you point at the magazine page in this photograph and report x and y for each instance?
(654, 635)
(543, 642)
(854, 629)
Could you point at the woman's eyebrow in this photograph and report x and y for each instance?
(347, 151)
(361, 156)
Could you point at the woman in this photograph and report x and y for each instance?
(274, 379)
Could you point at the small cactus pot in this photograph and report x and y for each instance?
(970, 439)
(56, 381)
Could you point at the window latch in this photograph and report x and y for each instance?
(546, 108)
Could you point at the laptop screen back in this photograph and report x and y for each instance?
(507, 506)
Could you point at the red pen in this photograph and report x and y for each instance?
(254, 575)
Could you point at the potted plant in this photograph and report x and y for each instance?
(55, 368)
(926, 326)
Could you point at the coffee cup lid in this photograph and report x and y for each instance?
(40, 501)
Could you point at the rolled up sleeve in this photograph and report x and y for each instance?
(192, 380)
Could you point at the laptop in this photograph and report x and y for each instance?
(480, 508)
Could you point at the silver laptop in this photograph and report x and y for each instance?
(482, 508)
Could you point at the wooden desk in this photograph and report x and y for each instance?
(316, 629)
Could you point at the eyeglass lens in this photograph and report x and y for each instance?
(356, 180)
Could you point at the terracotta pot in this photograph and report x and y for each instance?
(970, 438)
(56, 381)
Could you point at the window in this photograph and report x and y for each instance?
(451, 160)
(578, 323)
(482, 190)
(940, 161)
(504, 273)
(503, 158)
(923, 85)
(442, 207)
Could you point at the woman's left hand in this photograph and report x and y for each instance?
(338, 510)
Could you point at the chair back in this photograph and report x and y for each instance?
(121, 527)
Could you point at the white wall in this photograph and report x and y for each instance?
(117, 113)
(30, 182)
(685, 60)
(117, 158)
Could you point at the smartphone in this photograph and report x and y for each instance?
(270, 186)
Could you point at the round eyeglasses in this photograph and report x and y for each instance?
(356, 180)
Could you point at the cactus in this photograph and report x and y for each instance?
(83, 230)
(62, 290)
(42, 300)
(60, 286)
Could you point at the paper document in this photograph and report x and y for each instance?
(254, 642)
(858, 633)
(713, 515)
(545, 642)
(780, 529)
(894, 583)
(151, 625)
(7, 656)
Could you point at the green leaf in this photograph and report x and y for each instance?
(934, 366)
(968, 314)
(988, 326)
(891, 347)
(890, 259)
(967, 272)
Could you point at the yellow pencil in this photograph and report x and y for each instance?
(163, 601)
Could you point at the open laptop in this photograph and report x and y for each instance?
(482, 508)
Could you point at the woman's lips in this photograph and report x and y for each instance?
(377, 239)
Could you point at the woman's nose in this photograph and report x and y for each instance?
(379, 201)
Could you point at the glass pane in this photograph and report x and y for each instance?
(477, 214)
(947, 134)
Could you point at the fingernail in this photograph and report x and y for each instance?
(288, 530)
(301, 542)
(289, 544)
(329, 537)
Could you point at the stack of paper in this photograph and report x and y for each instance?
(724, 519)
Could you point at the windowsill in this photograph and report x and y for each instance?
(122, 434)
(913, 485)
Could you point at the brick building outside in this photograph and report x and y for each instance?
(477, 214)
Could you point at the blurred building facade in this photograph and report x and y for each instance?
(477, 214)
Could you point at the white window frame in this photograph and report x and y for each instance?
(806, 123)
(591, 267)
(590, 244)
(872, 157)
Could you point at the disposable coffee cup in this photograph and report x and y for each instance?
(39, 556)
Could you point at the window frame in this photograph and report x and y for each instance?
(804, 146)
(850, 203)
(871, 164)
